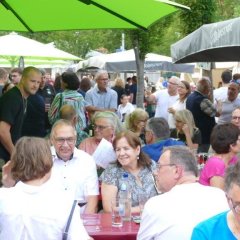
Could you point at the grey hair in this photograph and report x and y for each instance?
(100, 73)
(62, 122)
(159, 127)
(176, 79)
(182, 155)
(112, 118)
(203, 84)
(232, 176)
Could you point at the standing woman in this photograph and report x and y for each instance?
(70, 85)
(132, 160)
(184, 90)
(186, 130)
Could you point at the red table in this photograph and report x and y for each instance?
(99, 226)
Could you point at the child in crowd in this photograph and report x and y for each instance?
(124, 108)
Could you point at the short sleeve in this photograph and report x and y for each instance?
(88, 98)
(197, 234)
(113, 102)
(111, 175)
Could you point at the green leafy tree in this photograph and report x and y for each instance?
(202, 12)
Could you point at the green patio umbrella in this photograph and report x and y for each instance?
(51, 15)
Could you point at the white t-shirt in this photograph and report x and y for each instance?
(220, 93)
(174, 214)
(38, 212)
(78, 176)
(177, 106)
(124, 110)
(164, 101)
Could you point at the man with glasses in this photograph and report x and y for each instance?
(225, 225)
(164, 98)
(74, 169)
(183, 202)
(101, 97)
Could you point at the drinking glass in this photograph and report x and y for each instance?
(117, 218)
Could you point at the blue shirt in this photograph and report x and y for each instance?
(214, 228)
(104, 100)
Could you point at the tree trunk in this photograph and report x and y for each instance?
(140, 78)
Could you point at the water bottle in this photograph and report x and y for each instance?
(125, 198)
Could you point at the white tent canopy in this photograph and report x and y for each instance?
(14, 46)
(125, 62)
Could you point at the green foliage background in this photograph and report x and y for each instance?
(159, 37)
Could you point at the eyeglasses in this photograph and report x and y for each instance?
(236, 118)
(99, 127)
(69, 140)
(176, 84)
(103, 79)
(159, 165)
(235, 207)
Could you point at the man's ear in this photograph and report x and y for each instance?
(179, 170)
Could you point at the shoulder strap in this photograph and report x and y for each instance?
(65, 233)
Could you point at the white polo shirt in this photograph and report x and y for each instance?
(77, 176)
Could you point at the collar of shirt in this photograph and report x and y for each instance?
(99, 91)
(56, 157)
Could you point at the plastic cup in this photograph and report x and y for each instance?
(117, 219)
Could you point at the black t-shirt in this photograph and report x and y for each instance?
(12, 110)
(34, 121)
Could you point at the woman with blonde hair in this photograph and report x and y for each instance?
(186, 129)
(136, 122)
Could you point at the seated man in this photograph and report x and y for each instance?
(73, 168)
(184, 202)
(157, 136)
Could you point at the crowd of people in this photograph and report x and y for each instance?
(74, 140)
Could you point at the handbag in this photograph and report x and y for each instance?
(65, 233)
